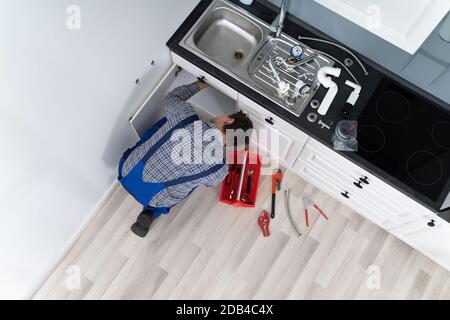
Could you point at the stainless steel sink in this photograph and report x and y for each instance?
(242, 45)
(227, 37)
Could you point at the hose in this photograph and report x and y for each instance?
(340, 47)
(287, 194)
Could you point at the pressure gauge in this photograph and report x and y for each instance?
(296, 51)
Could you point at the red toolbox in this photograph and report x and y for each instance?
(240, 187)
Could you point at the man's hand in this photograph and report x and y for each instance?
(202, 84)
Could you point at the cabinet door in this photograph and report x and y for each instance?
(379, 195)
(151, 110)
(321, 172)
(404, 23)
(271, 134)
(208, 103)
(273, 141)
(434, 242)
(325, 181)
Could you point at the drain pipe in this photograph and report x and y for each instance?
(327, 82)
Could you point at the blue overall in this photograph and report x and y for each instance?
(143, 191)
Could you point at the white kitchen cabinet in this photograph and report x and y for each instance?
(273, 141)
(322, 180)
(359, 189)
(404, 23)
(272, 134)
(314, 167)
(419, 226)
(433, 242)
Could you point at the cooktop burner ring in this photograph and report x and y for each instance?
(371, 139)
(393, 108)
(416, 160)
(440, 131)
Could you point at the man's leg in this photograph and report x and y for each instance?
(143, 223)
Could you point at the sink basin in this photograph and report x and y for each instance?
(227, 37)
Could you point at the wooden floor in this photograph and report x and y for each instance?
(207, 250)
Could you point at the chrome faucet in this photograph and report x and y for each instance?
(278, 23)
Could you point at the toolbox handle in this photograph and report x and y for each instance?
(241, 178)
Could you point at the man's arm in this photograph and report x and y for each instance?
(217, 178)
(175, 102)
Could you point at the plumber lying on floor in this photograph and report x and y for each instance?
(171, 160)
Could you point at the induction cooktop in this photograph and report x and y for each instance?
(408, 137)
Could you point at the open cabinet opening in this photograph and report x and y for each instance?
(208, 103)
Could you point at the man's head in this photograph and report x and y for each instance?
(234, 121)
(237, 123)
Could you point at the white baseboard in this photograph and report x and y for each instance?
(87, 221)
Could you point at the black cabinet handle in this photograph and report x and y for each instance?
(364, 180)
(179, 69)
(270, 121)
(432, 223)
(358, 184)
(345, 195)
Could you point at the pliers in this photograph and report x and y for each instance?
(264, 223)
(309, 203)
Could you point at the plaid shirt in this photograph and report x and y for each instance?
(161, 168)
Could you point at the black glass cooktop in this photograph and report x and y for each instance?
(407, 137)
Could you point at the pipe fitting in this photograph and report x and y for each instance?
(323, 76)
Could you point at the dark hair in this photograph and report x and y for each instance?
(241, 122)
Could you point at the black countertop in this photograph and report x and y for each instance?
(295, 27)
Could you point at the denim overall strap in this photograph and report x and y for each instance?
(167, 136)
(194, 177)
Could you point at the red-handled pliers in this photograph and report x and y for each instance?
(264, 223)
(309, 203)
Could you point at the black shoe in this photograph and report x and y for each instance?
(143, 223)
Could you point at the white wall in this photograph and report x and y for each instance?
(65, 100)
